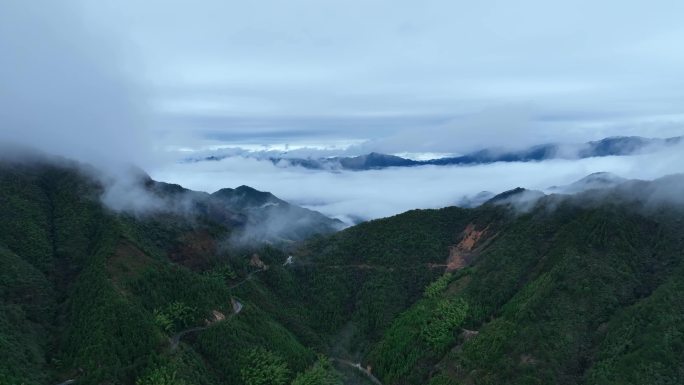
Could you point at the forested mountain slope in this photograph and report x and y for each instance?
(585, 289)
(580, 289)
(562, 289)
(92, 295)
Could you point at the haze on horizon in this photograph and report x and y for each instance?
(146, 82)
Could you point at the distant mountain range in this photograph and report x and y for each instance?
(595, 181)
(621, 145)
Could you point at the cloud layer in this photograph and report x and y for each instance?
(112, 82)
(64, 88)
(441, 76)
(431, 76)
(379, 193)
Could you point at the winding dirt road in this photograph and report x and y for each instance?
(175, 339)
(357, 366)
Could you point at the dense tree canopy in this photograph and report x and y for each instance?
(574, 290)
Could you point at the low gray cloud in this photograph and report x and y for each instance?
(442, 76)
(407, 76)
(379, 193)
(64, 87)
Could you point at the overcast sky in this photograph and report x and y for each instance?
(128, 80)
(406, 76)
(470, 73)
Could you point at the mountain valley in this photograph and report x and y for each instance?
(566, 289)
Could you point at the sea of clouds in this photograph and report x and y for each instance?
(354, 195)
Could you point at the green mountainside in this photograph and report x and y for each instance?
(580, 289)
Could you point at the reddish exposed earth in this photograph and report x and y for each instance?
(461, 254)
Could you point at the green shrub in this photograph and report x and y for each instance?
(262, 367)
(160, 376)
(438, 330)
(438, 286)
(321, 373)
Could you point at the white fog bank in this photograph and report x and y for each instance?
(379, 193)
